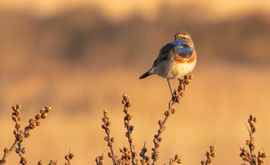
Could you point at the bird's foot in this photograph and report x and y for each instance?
(175, 98)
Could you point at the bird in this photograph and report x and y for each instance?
(175, 59)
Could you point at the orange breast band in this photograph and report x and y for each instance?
(191, 59)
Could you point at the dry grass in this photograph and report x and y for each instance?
(128, 154)
(212, 112)
(249, 156)
(20, 134)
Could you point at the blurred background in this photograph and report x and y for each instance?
(81, 56)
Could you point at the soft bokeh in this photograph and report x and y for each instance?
(80, 57)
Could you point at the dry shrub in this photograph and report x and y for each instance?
(128, 154)
(21, 133)
(249, 155)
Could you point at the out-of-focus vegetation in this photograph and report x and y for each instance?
(66, 57)
(85, 35)
(79, 60)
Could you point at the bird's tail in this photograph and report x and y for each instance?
(146, 74)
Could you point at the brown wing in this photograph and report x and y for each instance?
(163, 54)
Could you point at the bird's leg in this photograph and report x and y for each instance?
(169, 84)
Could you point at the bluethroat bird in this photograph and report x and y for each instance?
(175, 59)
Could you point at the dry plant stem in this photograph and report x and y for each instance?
(249, 156)
(111, 150)
(40, 163)
(68, 158)
(251, 146)
(251, 141)
(126, 102)
(16, 117)
(52, 162)
(99, 160)
(145, 160)
(209, 156)
(7, 152)
(21, 134)
(176, 159)
(21, 151)
(177, 95)
(108, 138)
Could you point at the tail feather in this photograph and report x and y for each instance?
(146, 74)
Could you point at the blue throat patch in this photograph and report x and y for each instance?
(181, 48)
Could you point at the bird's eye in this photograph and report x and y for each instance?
(185, 39)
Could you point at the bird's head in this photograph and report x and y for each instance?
(185, 38)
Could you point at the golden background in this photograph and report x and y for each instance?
(80, 57)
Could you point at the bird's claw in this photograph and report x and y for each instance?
(175, 98)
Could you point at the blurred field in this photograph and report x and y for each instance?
(213, 111)
(80, 62)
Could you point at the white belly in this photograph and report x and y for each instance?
(180, 70)
(173, 70)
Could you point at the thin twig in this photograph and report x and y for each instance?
(177, 95)
(176, 159)
(53, 162)
(21, 134)
(8, 151)
(145, 160)
(68, 157)
(249, 155)
(21, 151)
(126, 102)
(99, 160)
(209, 156)
(108, 138)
